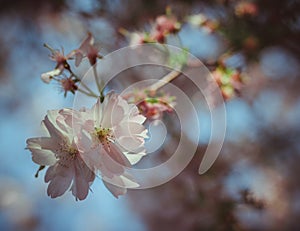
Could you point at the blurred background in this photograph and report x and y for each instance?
(254, 184)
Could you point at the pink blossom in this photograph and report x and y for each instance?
(111, 138)
(59, 151)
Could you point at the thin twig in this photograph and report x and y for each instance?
(166, 79)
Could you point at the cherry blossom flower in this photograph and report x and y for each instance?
(59, 151)
(111, 138)
(87, 49)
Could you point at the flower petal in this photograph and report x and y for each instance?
(41, 143)
(48, 76)
(114, 160)
(134, 157)
(131, 129)
(129, 143)
(115, 190)
(82, 179)
(61, 180)
(43, 157)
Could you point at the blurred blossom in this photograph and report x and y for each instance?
(202, 21)
(229, 80)
(153, 107)
(137, 38)
(244, 8)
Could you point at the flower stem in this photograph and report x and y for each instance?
(82, 83)
(99, 84)
(87, 93)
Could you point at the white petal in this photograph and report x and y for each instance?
(43, 157)
(135, 115)
(41, 150)
(109, 104)
(130, 144)
(130, 129)
(134, 157)
(49, 124)
(97, 113)
(41, 143)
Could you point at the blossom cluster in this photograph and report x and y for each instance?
(69, 81)
(79, 145)
(102, 141)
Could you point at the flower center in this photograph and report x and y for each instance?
(105, 136)
(72, 152)
(67, 154)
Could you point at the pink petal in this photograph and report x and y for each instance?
(61, 180)
(41, 143)
(83, 177)
(114, 160)
(78, 58)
